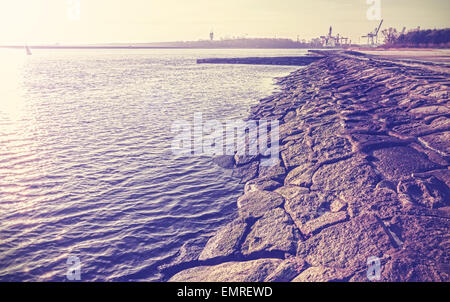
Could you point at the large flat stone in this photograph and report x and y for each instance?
(427, 235)
(440, 142)
(226, 242)
(325, 220)
(274, 172)
(287, 270)
(383, 202)
(347, 245)
(247, 172)
(398, 162)
(305, 206)
(346, 177)
(248, 271)
(256, 204)
(261, 184)
(275, 231)
(323, 274)
(296, 153)
(330, 147)
(301, 175)
(428, 192)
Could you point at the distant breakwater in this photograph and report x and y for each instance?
(361, 191)
(282, 61)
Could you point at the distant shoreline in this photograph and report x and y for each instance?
(140, 47)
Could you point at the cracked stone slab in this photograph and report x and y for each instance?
(325, 220)
(287, 270)
(347, 245)
(274, 172)
(383, 202)
(246, 172)
(301, 175)
(226, 242)
(408, 266)
(428, 192)
(439, 142)
(257, 203)
(261, 184)
(247, 271)
(275, 231)
(398, 162)
(306, 206)
(350, 176)
(296, 153)
(323, 274)
(428, 235)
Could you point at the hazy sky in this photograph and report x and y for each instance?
(52, 21)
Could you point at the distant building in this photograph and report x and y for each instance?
(211, 36)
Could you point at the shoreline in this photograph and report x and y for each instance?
(363, 173)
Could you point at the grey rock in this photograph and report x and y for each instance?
(224, 161)
(226, 242)
(275, 231)
(347, 245)
(257, 203)
(259, 184)
(429, 192)
(274, 172)
(248, 271)
(287, 270)
(323, 274)
(398, 162)
(438, 142)
(301, 175)
(305, 206)
(244, 159)
(247, 172)
(326, 220)
(189, 252)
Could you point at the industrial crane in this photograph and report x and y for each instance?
(372, 38)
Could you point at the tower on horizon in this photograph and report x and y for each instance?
(211, 35)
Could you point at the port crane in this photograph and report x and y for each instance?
(331, 41)
(328, 40)
(372, 38)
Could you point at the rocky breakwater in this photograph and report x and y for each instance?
(363, 172)
(283, 61)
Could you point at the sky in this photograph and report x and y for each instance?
(140, 21)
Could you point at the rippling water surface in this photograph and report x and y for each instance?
(85, 162)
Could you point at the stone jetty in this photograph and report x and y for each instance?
(284, 61)
(363, 173)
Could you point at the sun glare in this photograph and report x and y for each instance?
(11, 77)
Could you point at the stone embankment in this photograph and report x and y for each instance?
(363, 172)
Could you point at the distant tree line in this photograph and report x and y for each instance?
(436, 38)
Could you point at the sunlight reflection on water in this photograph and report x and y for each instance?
(85, 161)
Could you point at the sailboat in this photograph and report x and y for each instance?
(28, 50)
